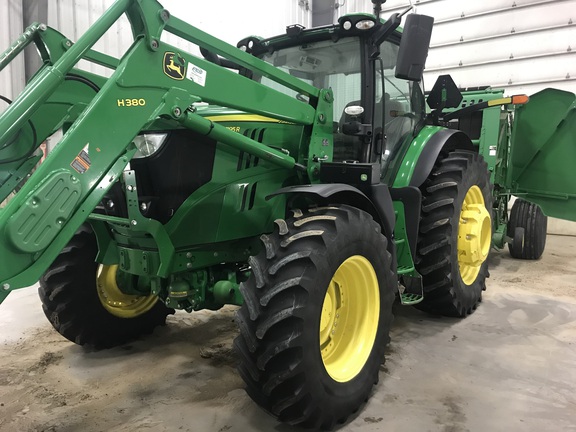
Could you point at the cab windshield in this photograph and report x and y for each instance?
(337, 65)
(323, 64)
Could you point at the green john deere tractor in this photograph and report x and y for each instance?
(299, 177)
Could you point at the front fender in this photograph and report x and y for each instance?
(379, 204)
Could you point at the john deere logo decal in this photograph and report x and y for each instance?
(174, 66)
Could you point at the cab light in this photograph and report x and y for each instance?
(365, 24)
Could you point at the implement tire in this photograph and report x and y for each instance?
(71, 301)
(316, 316)
(455, 234)
(527, 217)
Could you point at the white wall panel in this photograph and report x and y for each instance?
(344, 7)
(521, 45)
(12, 77)
(228, 20)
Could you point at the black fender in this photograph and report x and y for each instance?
(379, 204)
(445, 139)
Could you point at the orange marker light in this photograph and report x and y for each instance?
(520, 99)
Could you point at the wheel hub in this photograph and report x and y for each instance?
(115, 301)
(349, 319)
(474, 235)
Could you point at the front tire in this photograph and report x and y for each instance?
(316, 316)
(455, 234)
(73, 299)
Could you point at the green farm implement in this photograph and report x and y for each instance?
(298, 177)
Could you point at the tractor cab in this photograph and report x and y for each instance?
(377, 105)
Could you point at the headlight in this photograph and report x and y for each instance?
(148, 144)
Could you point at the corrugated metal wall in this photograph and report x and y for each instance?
(520, 45)
(11, 78)
(229, 21)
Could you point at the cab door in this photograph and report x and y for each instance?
(542, 158)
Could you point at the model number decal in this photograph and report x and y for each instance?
(233, 128)
(131, 102)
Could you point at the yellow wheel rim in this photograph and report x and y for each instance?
(474, 235)
(349, 319)
(115, 301)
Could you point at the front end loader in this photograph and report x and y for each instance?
(298, 177)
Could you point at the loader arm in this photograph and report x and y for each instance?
(152, 81)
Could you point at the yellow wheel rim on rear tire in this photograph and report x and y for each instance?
(349, 320)
(115, 301)
(474, 235)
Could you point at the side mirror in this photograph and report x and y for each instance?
(414, 47)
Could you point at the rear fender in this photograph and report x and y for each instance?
(445, 139)
(425, 149)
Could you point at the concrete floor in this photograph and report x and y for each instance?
(511, 366)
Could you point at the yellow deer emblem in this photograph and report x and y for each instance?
(175, 70)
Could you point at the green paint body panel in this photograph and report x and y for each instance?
(407, 164)
(543, 151)
(34, 225)
(404, 256)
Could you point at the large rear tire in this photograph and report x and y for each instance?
(527, 227)
(316, 316)
(83, 303)
(455, 234)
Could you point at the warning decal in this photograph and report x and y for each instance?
(81, 163)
